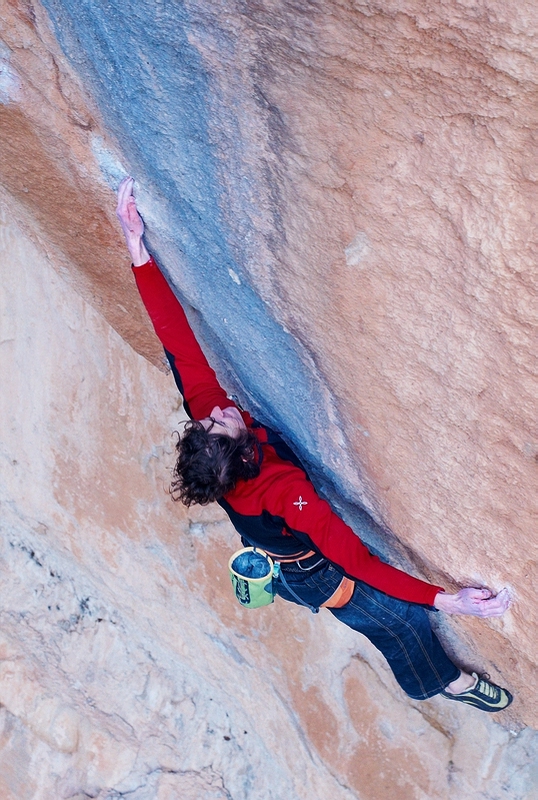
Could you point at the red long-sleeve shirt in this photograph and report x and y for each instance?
(279, 511)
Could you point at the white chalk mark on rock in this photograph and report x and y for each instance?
(111, 167)
(10, 83)
(358, 250)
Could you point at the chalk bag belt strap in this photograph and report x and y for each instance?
(339, 598)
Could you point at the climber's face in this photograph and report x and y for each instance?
(226, 421)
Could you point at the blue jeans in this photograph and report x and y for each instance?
(399, 630)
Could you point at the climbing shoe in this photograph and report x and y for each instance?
(484, 695)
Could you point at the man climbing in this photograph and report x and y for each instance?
(226, 456)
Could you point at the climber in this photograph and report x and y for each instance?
(226, 456)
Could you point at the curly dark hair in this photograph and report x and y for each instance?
(209, 465)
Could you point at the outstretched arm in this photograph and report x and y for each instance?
(194, 377)
(305, 512)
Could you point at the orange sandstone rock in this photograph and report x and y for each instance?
(403, 164)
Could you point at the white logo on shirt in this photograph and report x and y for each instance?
(300, 502)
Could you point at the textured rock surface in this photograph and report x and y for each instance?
(346, 192)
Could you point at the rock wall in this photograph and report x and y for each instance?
(281, 149)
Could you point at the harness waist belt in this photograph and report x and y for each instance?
(290, 559)
(342, 595)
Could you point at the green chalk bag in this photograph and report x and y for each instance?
(253, 591)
